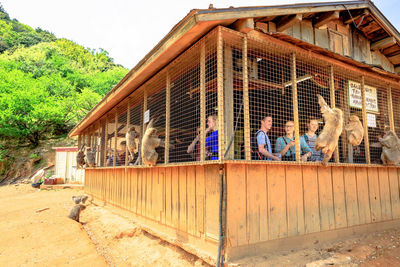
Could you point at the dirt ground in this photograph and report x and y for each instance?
(35, 231)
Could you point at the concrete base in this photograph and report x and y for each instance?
(62, 186)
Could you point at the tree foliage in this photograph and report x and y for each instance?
(47, 84)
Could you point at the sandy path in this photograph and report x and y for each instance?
(47, 238)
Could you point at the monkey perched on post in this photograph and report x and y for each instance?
(329, 136)
(91, 157)
(355, 130)
(390, 148)
(132, 138)
(76, 211)
(80, 157)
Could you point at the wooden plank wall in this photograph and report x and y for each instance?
(185, 198)
(266, 202)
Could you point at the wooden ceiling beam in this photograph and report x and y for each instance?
(395, 59)
(288, 21)
(354, 16)
(325, 18)
(384, 43)
(244, 25)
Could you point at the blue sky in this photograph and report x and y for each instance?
(129, 29)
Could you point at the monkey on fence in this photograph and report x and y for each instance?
(132, 138)
(390, 148)
(80, 157)
(355, 130)
(329, 136)
(91, 157)
(150, 142)
(76, 211)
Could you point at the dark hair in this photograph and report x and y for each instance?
(266, 116)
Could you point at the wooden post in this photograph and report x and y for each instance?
(105, 142)
(228, 102)
(295, 109)
(220, 94)
(128, 125)
(144, 111)
(167, 117)
(98, 146)
(115, 138)
(202, 101)
(333, 104)
(390, 108)
(365, 124)
(247, 139)
(79, 141)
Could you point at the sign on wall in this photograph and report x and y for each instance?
(146, 116)
(354, 92)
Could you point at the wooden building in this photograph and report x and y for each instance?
(243, 63)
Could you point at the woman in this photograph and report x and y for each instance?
(212, 140)
(285, 145)
(310, 138)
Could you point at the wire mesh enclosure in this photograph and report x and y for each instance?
(236, 97)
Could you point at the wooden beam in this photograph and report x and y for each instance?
(397, 69)
(365, 124)
(325, 18)
(116, 137)
(395, 59)
(384, 43)
(333, 103)
(167, 117)
(295, 108)
(128, 125)
(228, 102)
(202, 101)
(244, 25)
(390, 108)
(354, 16)
(288, 21)
(247, 140)
(105, 142)
(220, 94)
(262, 27)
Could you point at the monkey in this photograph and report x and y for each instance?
(329, 136)
(91, 157)
(355, 130)
(80, 157)
(390, 148)
(76, 211)
(78, 199)
(132, 138)
(150, 142)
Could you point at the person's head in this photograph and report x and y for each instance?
(312, 125)
(123, 144)
(266, 122)
(212, 122)
(289, 127)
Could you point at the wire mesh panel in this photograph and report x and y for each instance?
(121, 132)
(110, 140)
(270, 101)
(396, 108)
(103, 143)
(184, 75)
(156, 108)
(136, 124)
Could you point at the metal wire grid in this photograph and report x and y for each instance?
(110, 159)
(269, 83)
(135, 102)
(395, 91)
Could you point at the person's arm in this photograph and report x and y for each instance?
(265, 152)
(192, 146)
(305, 148)
(285, 148)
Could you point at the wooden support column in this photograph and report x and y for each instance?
(79, 141)
(390, 107)
(247, 140)
(144, 111)
(365, 124)
(220, 94)
(295, 109)
(333, 104)
(115, 138)
(228, 102)
(105, 142)
(167, 117)
(98, 146)
(128, 125)
(202, 101)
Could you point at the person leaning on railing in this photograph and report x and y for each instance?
(310, 138)
(285, 145)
